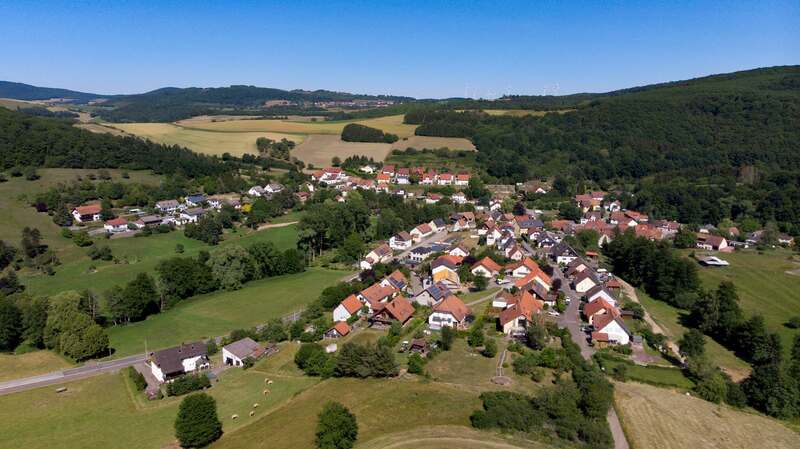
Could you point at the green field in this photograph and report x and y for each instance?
(30, 364)
(764, 286)
(104, 412)
(669, 318)
(655, 375)
(221, 312)
(137, 255)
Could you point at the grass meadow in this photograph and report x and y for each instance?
(660, 418)
(137, 255)
(763, 285)
(220, 312)
(30, 364)
(106, 412)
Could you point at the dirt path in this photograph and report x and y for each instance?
(630, 292)
(277, 225)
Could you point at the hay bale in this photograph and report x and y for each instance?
(252, 413)
(255, 405)
(269, 382)
(234, 416)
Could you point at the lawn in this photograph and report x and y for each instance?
(656, 375)
(137, 255)
(669, 318)
(218, 313)
(17, 193)
(30, 364)
(763, 285)
(659, 418)
(103, 412)
(215, 142)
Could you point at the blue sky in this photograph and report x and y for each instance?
(421, 49)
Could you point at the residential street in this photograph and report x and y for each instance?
(571, 320)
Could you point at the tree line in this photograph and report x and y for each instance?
(353, 132)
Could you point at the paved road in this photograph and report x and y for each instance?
(571, 320)
(433, 238)
(67, 375)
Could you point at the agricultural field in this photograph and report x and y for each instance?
(391, 124)
(16, 194)
(521, 112)
(670, 319)
(768, 284)
(319, 149)
(30, 364)
(104, 411)
(658, 418)
(203, 141)
(220, 312)
(135, 255)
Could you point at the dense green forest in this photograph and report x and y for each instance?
(45, 142)
(354, 132)
(27, 92)
(697, 150)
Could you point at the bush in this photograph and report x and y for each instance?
(137, 378)
(448, 334)
(211, 346)
(248, 363)
(66, 233)
(476, 337)
(416, 364)
(197, 424)
(312, 359)
(187, 384)
(793, 323)
(489, 348)
(81, 239)
(336, 427)
(620, 372)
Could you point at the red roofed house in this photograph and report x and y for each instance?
(421, 231)
(445, 179)
(339, 329)
(116, 225)
(383, 178)
(398, 309)
(611, 329)
(514, 319)
(376, 296)
(89, 212)
(451, 312)
(348, 307)
(462, 179)
(598, 307)
(486, 267)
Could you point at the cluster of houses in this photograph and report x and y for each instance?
(167, 212)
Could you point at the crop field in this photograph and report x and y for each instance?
(104, 411)
(421, 142)
(16, 194)
(658, 418)
(135, 255)
(214, 142)
(391, 124)
(220, 312)
(319, 149)
(768, 284)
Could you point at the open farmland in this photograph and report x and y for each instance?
(658, 418)
(319, 149)
(203, 141)
(30, 364)
(391, 124)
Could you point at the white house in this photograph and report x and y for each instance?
(86, 213)
(459, 198)
(458, 251)
(170, 363)
(451, 312)
(486, 267)
(235, 353)
(401, 241)
(367, 169)
(256, 191)
(116, 225)
(273, 188)
(610, 329)
(421, 231)
(168, 206)
(381, 254)
(348, 307)
(191, 215)
(600, 291)
(584, 281)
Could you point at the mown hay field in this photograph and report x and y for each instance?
(422, 142)
(390, 124)
(658, 418)
(319, 149)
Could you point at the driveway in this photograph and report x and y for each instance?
(433, 238)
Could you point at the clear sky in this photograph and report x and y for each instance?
(421, 49)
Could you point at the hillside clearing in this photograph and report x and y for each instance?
(657, 418)
(421, 142)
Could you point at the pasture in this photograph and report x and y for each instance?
(220, 312)
(104, 411)
(764, 284)
(136, 255)
(214, 142)
(660, 418)
(30, 364)
(319, 149)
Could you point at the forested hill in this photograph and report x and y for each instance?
(31, 141)
(708, 125)
(20, 91)
(171, 103)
